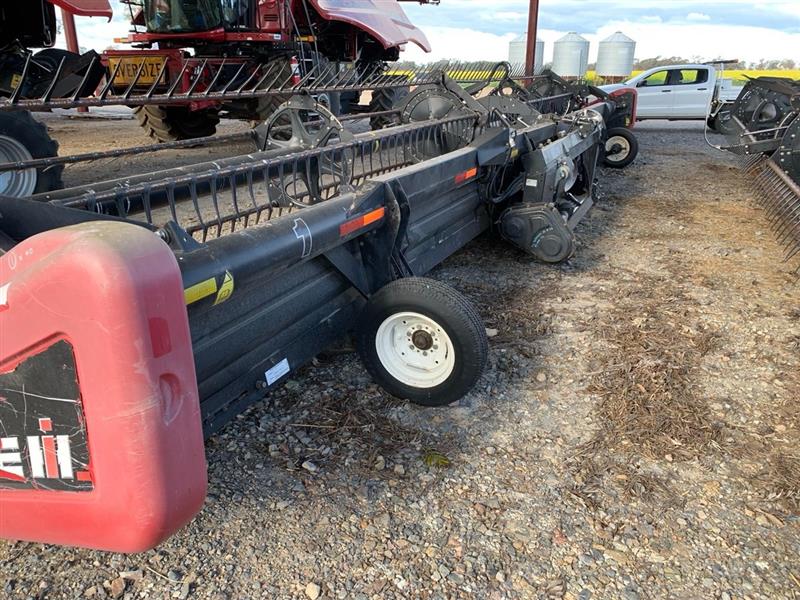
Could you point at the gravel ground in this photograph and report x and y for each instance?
(635, 436)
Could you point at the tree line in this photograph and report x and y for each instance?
(761, 65)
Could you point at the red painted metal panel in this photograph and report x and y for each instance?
(385, 20)
(124, 467)
(86, 8)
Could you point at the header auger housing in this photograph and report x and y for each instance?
(209, 285)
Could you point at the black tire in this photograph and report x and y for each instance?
(621, 159)
(348, 101)
(50, 58)
(171, 123)
(450, 311)
(267, 105)
(386, 99)
(22, 128)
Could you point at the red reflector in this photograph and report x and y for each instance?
(466, 175)
(360, 222)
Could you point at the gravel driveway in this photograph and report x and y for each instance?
(636, 435)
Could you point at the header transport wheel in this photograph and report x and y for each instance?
(422, 341)
(622, 148)
(23, 138)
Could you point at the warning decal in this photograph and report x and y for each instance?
(220, 290)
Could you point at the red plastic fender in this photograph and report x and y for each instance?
(101, 443)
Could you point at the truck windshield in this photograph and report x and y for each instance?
(182, 16)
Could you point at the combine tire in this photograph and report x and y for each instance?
(622, 148)
(386, 99)
(422, 341)
(171, 123)
(267, 105)
(51, 59)
(23, 138)
(348, 101)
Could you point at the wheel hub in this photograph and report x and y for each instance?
(17, 184)
(617, 149)
(415, 350)
(422, 340)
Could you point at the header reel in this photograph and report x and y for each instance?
(764, 129)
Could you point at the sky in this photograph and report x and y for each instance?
(481, 29)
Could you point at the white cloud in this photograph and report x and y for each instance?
(509, 15)
(461, 44)
(696, 16)
(703, 41)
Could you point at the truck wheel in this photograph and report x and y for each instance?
(23, 138)
(386, 99)
(422, 341)
(621, 148)
(171, 123)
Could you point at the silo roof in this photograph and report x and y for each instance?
(572, 37)
(619, 37)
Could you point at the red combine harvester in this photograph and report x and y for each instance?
(24, 74)
(184, 45)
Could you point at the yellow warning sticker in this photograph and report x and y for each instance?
(15, 79)
(201, 290)
(226, 289)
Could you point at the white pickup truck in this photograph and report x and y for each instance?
(682, 92)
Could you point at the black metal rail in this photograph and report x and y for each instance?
(220, 197)
(206, 80)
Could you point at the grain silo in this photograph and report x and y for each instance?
(615, 57)
(518, 48)
(571, 56)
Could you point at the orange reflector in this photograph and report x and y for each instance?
(361, 222)
(466, 175)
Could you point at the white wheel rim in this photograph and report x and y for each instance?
(625, 148)
(17, 184)
(415, 350)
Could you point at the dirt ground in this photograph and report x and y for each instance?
(636, 434)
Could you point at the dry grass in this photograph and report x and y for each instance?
(779, 452)
(650, 408)
(780, 480)
(648, 402)
(648, 405)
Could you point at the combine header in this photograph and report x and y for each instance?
(140, 314)
(764, 129)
